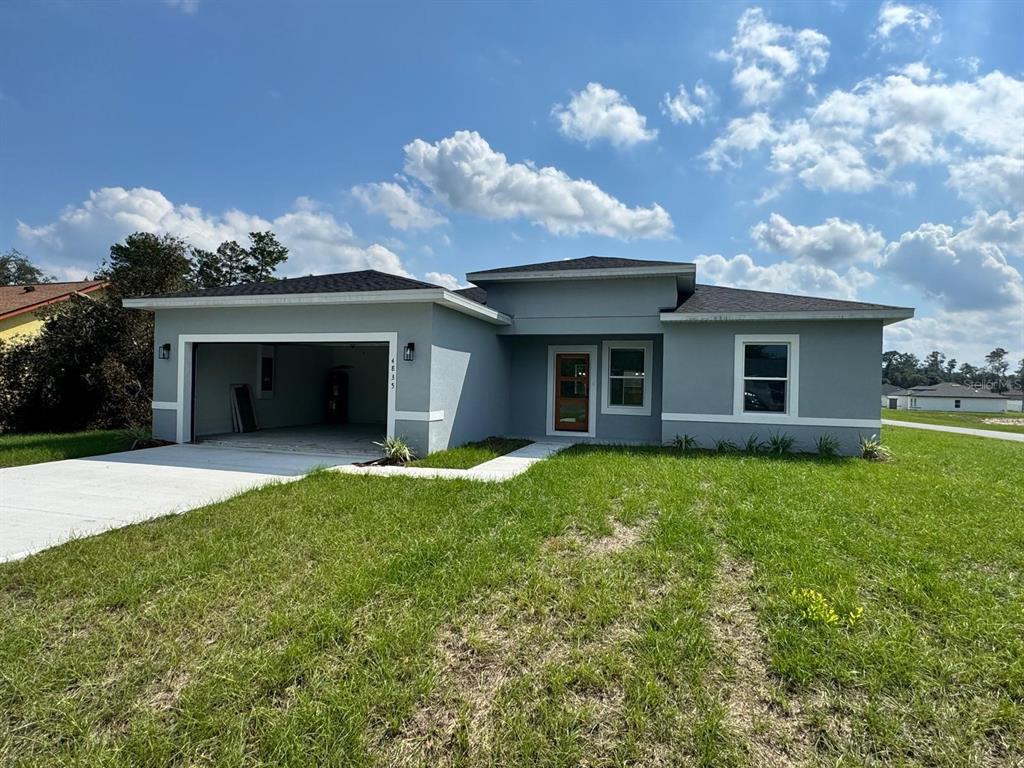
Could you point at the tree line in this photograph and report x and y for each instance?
(91, 366)
(904, 369)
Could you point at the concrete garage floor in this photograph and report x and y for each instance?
(336, 439)
(42, 505)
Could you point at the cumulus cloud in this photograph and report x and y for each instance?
(80, 237)
(445, 279)
(680, 108)
(766, 57)
(961, 270)
(856, 140)
(802, 277)
(913, 20)
(967, 335)
(598, 113)
(831, 244)
(402, 209)
(469, 176)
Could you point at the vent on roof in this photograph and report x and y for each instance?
(29, 288)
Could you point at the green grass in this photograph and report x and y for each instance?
(471, 454)
(17, 450)
(969, 420)
(612, 606)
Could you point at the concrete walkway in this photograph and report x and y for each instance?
(493, 471)
(1016, 437)
(42, 505)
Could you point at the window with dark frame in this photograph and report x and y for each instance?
(765, 377)
(956, 403)
(626, 376)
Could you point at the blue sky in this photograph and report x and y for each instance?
(863, 150)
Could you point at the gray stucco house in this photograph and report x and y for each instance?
(600, 349)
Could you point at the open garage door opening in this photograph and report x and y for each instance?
(311, 397)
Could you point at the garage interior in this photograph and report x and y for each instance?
(325, 397)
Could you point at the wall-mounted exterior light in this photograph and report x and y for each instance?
(164, 352)
(409, 352)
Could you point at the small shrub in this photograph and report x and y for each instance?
(753, 445)
(725, 446)
(827, 445)
(684, 443)
(871, 448)
(780, 444)
(138, 437)
(814, 608)
(396, 450)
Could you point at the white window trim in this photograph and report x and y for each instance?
(549, 427)
(792, 380)
(606, 373)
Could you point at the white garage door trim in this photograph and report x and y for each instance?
(183, 428)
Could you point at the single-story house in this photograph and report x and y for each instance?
(590, 349)
(888, 392)
(947, 396)
(1014, 401)
(20, 305)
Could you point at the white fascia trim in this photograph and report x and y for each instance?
(792, 375)
(587, 349)
(419, 415)
(886, 315)
(164, 405)
(583, 274)
(417, 295)
(606, 370)
(751, 418)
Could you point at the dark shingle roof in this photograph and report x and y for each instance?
(949, 389)
(890, 389)
(714, 299)
(479, 295)
(587, 262)
(341, 282)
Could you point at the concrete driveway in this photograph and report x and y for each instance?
(42, 505)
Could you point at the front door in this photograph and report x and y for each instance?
(572, 391)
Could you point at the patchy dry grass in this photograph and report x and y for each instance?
(997, 422)
(609, 607)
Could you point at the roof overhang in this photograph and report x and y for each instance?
(441, 296)
(887, 316)
(664, 270)
(52, 300)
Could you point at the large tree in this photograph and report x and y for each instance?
(901, 369)
(16, 269)
(998, 365)
(232, 263)
(934, 367)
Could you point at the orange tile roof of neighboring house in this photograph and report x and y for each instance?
(18, 299)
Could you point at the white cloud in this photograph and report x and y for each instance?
(445, 279)
(468, 175)
(783, 277)
(682, 109)
(597, 112)
(967, 269)
(185, 6)
(81, 235)
(971, 63)
(913, 20)
(855, 140)
(403, 210)
(967, 336)
(766, 56)
(832, 244)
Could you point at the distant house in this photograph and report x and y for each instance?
(946, 396)
(889, 393)
(20, 305)
(1014, 400)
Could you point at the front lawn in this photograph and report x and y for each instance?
(16, 450)
(471, 454)
(612, 606)
(970, 420)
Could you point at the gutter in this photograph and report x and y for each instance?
(887, 316)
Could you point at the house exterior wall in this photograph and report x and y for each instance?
(838, 383)
(24, 326)
(469, 380)
(968, 404)
(411, 322)
(628, 305)
(529, 390)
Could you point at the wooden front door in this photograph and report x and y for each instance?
(572, 391)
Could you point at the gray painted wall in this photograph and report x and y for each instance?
(584, 306)
(529, 390)
(469, 380)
